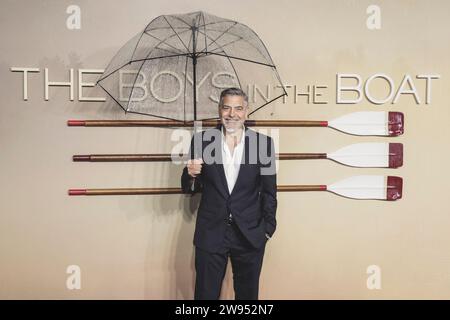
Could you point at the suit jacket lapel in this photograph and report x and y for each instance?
(219, 164)
(243, 161)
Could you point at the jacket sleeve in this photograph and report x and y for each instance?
(268, 195)
(189, 184)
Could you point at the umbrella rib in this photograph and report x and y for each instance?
(265, 48)
(229, 60)
(284, 90)
(173, 35)
(215, 40)
(204, 33)
(156, 116)
(256, 48)
(206, 36)
(176, 33)
(137, 60)
(164, 41)
(137, 44)
(219, 46)
(197, 28)
(242, 38)
(226, 44)
(137, 74)
(103, 78)
(161, 41)
(185, 81)
(216, 22)
(158, 28)
(145, 59)
(178, 18)
(131, 55)
(112, 97)
(161, 57)
(279, 79)
(197, 23)
(282, 95)
(175, 17)
(237, 58)
(270, 57)
(185, 85)
(204, 30)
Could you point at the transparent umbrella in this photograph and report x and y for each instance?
(154, 72)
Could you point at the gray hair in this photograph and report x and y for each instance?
(233, 92)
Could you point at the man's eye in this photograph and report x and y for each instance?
(239, 109)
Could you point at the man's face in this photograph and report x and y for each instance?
(233, 112)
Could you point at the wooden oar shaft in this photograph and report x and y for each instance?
(127, 157)
(123, 191)
(294, 188)
(181, 157)
(301, 156)
(204, 123)
(151, 191)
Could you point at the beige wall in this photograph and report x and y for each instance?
(141, 246)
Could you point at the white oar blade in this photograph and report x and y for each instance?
(369, 187)
(370, 123)
(370, 155)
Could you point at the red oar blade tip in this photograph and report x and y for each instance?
(396, 123)
(77, 192)
(395, 155)
(394, 188)
(76, 123)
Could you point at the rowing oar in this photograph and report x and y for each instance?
(357, 187)
(364, 123)
(369, 155)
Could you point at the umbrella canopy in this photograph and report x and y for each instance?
(154, 72)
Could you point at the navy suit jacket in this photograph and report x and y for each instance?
(253, 200)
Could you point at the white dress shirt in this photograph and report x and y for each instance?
(232, 162)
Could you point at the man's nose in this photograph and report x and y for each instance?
(231, 112)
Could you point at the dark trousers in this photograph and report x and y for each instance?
(246, 262)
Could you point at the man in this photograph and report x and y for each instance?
(234, 168)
